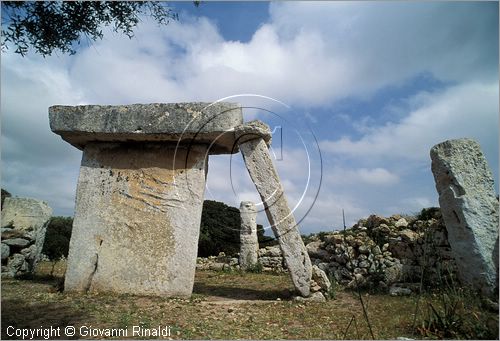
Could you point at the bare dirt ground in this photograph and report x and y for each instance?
(223, 306)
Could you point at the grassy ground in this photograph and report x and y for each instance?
(230, 306)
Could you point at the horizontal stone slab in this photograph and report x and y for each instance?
(200, 123)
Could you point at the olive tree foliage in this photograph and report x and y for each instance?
(5, 194)
(220, 230)
(49, 26)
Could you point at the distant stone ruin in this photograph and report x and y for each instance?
(249, 242)
(470, 210)
(24, 223)
(140, 192)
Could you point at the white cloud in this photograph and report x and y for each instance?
(361, 176)
(469, 110)
(333, 51)
(384, 43)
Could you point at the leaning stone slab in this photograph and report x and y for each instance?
(29, 218)
(249, 244)
(205, 123)
(470, 209)
(140, 192)
(261, 169)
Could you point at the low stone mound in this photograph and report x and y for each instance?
(24, 223)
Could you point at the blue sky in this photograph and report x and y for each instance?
(360, 91)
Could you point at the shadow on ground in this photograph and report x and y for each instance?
(21, 314)
(236, 293)
(20, 310)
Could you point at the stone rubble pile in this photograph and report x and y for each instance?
(24, 222)
(381, 251)
(378, 252)
(217, 263)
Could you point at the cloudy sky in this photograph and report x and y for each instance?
(357, 93)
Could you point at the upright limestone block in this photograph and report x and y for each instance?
(137, 219)
(249, 244)
(140, 192)
(470, 209)
(253, 138)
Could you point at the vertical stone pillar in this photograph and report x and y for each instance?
(249, 243)
(137, 219)
(252, 138)
(140, 192)
(470, 210)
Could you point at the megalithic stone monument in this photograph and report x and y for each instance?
(253, 139)
(470, 210)
(249, 242)
(140, 192)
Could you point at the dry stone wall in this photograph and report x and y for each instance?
(378, 252)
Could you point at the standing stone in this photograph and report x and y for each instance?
(470, 209)
(249, 244)
(137, 219)
(29, 218)
(140, 192)
(253, 139)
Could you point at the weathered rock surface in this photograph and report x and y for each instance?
(16, 242)
(249, 243)
(187, 123)
(470, 209)
(24, 223)
(253, 130)
(25, 213)
(261, 169)
(137, 219)
(314, 297)
(271, 260)
(396, 290)
(321, 279)
(5, 251)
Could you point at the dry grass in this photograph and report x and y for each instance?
(223, 306)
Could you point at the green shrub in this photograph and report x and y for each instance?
(57, 238)
(428, 213)
(220, 230)
(457, 313)
(256, 268)
(332, 292)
